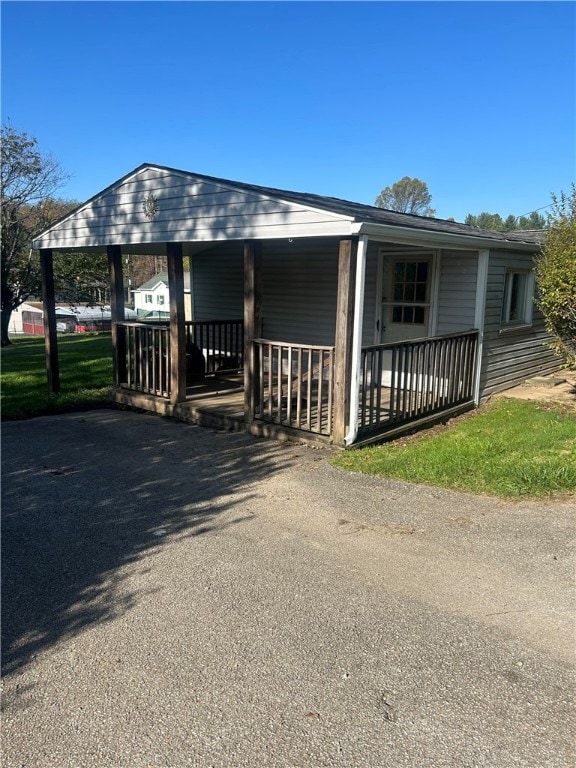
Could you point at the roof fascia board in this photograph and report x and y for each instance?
(427, 238)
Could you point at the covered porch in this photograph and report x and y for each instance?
(225, 374)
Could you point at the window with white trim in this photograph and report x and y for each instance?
(518, 292)
(160, 299)
(148, 298)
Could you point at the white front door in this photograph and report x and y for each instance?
(405, 303)
(405, 296)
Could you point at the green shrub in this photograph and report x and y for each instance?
(556, 277)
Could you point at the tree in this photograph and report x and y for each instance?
(512, 223)
(28, 179)
(486, 220)
(407, 196)
(82, 278)
(28, 182)
(534, 220)
(556, 276)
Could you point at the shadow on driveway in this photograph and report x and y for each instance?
(86, 495)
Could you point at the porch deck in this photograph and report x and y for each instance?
(216, 402)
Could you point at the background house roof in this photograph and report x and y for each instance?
(161, 277)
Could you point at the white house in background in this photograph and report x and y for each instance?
(152, 298)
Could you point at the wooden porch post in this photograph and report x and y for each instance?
(177, 327)
(343, 342)
(49, 304)
(117, 312)
(252, 322)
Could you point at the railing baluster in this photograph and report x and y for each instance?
(426, 377)
(320, 387)
(309, 392)
(304, 375)
(299, 390)
(270, 375)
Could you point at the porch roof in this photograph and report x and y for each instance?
(154, 204)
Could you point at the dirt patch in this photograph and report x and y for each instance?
(558, 387)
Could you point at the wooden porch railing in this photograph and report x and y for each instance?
(410, 380)
(147, 351)
(294, 385)
(221, 342)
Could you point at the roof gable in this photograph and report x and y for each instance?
(154, 204)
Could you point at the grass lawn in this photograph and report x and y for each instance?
(85, 375)
(509, 448)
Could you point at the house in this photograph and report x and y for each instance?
(152, 298)
(349, 323)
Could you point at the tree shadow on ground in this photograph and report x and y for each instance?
(86, 496)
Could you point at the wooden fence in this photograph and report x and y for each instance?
(147, 350)
(410, 380)
(220, 341)
(294, 385)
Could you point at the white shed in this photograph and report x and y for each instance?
(349, 322)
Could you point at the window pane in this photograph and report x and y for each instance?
(399, 271)
(422, 271)
(396, 314)
(398, 291)
(517, 297)
(516, 307)
(419, 315)
(410, 272)
(408, 314)
(420, 291)
(409, 292)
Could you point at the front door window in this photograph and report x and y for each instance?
(406, 297)
(410, 292)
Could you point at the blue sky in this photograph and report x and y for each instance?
(338, 98)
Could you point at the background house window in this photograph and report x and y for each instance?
(517, 304)
(160, 299)
(148, 298)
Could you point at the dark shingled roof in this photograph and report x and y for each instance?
(359, 212)
(369, 213)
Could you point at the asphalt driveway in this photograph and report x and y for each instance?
(174, 596)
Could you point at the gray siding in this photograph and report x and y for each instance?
(299, 288)
(299, 291)
(188, 210)
(218, 283)
(457, 291)
(511, 356)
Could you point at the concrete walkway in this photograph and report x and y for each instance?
(174, 596)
